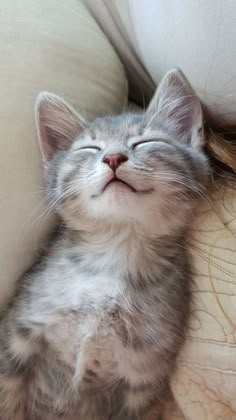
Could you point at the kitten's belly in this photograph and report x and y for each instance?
(102, 344)
(94, 345)
(83, 356)
(98, 339)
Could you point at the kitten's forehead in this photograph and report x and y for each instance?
(117, 128)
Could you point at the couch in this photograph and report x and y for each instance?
(99, 55)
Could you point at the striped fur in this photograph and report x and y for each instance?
(95, 325)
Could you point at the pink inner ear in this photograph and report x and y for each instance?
(53, 143)
(46, 146)
(58, 124)
(176, 103)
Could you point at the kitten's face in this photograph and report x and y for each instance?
(128, 169)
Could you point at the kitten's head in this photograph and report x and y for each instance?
(145, 169)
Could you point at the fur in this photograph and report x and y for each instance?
(95, 325)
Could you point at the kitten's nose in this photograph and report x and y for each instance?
(114, 160)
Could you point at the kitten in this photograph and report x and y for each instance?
(94, 328)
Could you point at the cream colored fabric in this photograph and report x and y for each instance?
(115, 20)
(45, 45)
(205, 384)
(197, 36)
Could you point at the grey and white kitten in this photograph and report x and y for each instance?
(95, 326)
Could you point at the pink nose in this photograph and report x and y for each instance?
(115, 160)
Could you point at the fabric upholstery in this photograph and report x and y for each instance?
(197, 36)
(115, 20)
(54, 46)
(205, 383)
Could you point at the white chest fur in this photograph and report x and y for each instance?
(87, 332)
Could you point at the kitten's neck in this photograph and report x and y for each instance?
(122, 247)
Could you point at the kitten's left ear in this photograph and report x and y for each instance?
(58, 124)
(176, 104)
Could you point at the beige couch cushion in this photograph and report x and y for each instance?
(205, 383)
(197, 36)
(45, 45)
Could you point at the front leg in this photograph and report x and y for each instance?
(16, 356)
(143, 401)
(12, 398)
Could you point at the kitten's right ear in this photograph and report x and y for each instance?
(57, 124)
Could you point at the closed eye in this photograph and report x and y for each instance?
(144, 142)
(88, 149)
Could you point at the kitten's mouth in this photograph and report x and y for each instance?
(119, 182)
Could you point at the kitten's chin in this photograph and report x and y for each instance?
(120, 204)
(132, 210)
